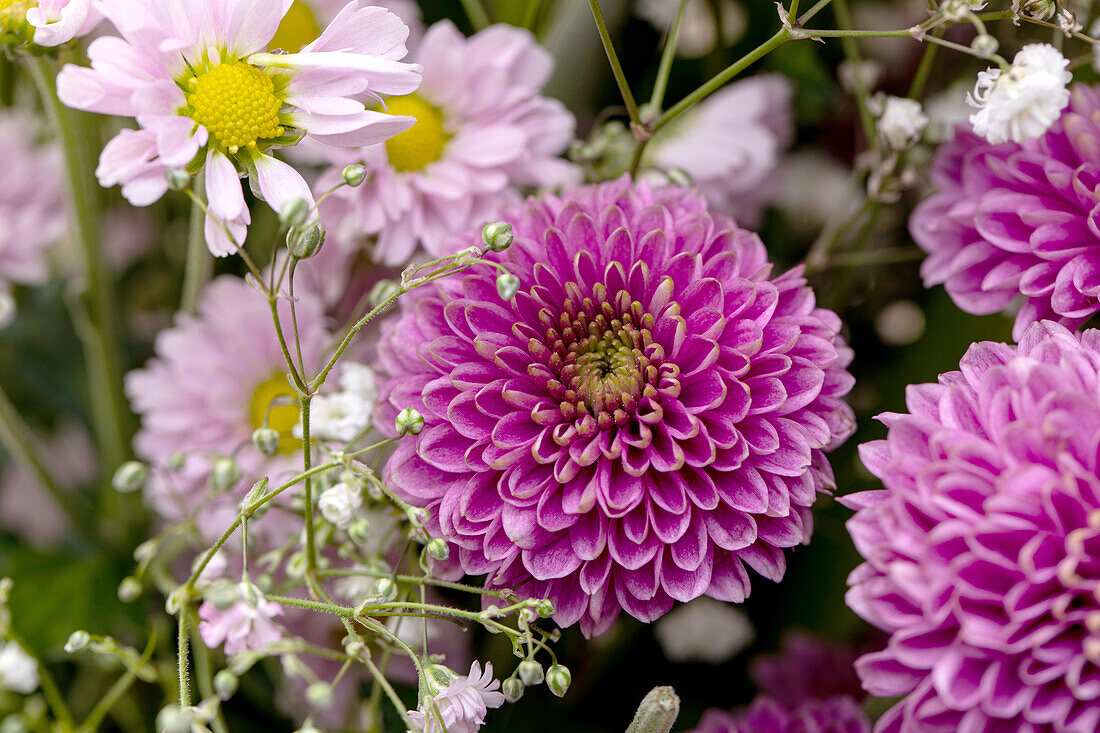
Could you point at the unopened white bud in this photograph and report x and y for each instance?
(77, 640)
(438, 549)
(266, 440)
(531, 672)
(558, 679)
(319, 695)
(225, 474)
(225, 684)
(512, 689)
(984, 45)
(130, 476)
(171, 719)
(385, 588)
(497, 236)
(507, 285)
(129, 590)
(178, 179)
(304, 242)
(409, 422)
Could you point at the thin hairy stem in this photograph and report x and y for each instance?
(616, 66)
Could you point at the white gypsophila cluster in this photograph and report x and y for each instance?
(18, 670)
(704, 630)
(343, 415)
(901, 122)
(960, 9)
(340, 504)
(1022, 103)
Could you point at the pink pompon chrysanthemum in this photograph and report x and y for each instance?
(195, 76)
(731, 145)
(647, 416)
(981, 553)
(305, 19)
(59, 21)
(1018, 220)
(461, 706)
(807, 667)
(30, 198)
(766, 715)
(217, 376)
(246, 626)
(482, 132)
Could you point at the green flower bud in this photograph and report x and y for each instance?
(359, 531)
(77, 640)
(129, 590)
(679, 177)
(225, 474)
(382, 291)
(438, 549)
(508, 285)
(409, 422)
(304, 242)
(319, 695)
(223, 594)
(225, 684)
(266, 440)
(171, 719)
(531, 672)
(497, 236)
(355, 174)
(175, 461)
(545, 607)
(558, 679)
(294, 213)
(130, 476)
(512, 689)
(386, 588)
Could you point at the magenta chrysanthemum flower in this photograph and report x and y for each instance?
(981, 552)
(839, 714)
(646, 417)
(483, 132)
(807, 667)
(195, 76)
(1018, 219)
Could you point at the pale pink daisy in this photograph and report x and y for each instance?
(30, 201)
(461, 706)
(482, 133)
(195, 76)
(246, 626)
(731, 145)
(216, 378)
(304, 20)
(59, 21)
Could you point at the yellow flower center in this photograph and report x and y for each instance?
(275, 401)
(299, 27)
(15, 10)
(236, 103)
(423, 143)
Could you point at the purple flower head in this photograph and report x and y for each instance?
(839, 714)
(981, 552)
(807, 667)
(645, 418)
(1019, 219)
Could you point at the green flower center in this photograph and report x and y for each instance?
(237, 104)
(299, 27)
(275, 402)
(424, 142)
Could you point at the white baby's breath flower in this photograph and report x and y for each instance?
(901, 122)
(704, 630)
(1022, 103)
(359, 380)
(340, 416)
(18, 671)
(340, 504)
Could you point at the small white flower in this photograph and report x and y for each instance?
(704, 631)
(1022, 103)
(359, 380)
(340, 504)
(18, 671)
(340, 416)
(901, 123)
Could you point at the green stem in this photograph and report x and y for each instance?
(851, 52)
(52, 692)
(15, 436)
(200, 265)
(927, 61)
(182, 660)
(395, 700)
(616, 67)
(101, 347)
(307, 459)
(204, 675)
(118, 689)
(531, 17)
(476, 12)
(668, 55)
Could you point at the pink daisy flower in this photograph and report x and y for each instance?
(482, 132)
(194, 75)
(305, 19)
(462, 705)
(60, 21)
(214, 380)
(731, 145)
